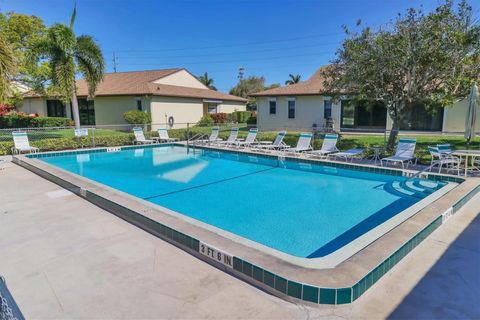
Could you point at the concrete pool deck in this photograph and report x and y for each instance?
(63, 257)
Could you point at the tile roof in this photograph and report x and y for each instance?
(141, 83)
(312, 86)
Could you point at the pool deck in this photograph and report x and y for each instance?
(64, 257)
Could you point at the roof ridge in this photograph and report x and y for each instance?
(143, 71)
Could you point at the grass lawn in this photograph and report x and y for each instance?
(61, 133)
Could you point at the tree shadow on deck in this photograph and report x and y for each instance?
(451, 288)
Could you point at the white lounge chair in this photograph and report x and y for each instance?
(20, 139)
(232, 138)
(163, 136)
(350, 154)
(445, 148)
(277, 144)
(304, 143)
(329, 145)
(249, 140)
(445, 158)
(404, 153)
(140, 137)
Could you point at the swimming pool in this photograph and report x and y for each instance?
(301, 209)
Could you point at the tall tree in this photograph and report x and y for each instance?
(66, 54)
(8, 67)
(428, 58)
(206, 80)
(247, 86)
(21, 32)
(293, 79)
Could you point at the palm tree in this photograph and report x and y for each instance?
(68, 54)
(207, 81)
(293, 79)
(8, 67)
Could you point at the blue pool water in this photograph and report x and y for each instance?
(301, 209)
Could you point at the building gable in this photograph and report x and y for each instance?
(181, 78)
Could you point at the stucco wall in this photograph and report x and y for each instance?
(308, 110)
(182, 78)
(33, 105)
(454, 117)
(231, 106)
(183, 110)
(109, 110)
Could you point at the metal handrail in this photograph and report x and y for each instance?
(420, 172)
(198, 136)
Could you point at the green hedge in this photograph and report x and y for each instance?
(57, 144)
(242, 116)
(137, 117)
(45, 122)
(20, 121)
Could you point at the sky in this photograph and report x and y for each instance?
(266, 37)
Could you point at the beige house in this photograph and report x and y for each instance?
(305, 105)
(169, 94)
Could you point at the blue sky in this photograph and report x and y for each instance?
(266, 37)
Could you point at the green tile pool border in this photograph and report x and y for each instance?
(252, 273)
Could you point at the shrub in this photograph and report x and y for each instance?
(219, 117)
(252, 120)
(4, 109)
(231, 117)
(242, 116)
(206, 120)
(51, 122)
(137, 117)
(57, 144)
(22, 120)
(15, 120)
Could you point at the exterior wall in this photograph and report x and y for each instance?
(183, 110)
(309, 110)
(454, 117)
(182, 78)
(34, 105)
(231, 106)
(109, 110)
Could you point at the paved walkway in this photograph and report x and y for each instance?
(63, 257)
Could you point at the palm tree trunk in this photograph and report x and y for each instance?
(76, 115)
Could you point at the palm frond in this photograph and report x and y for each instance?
(7, 69)
(74, 14)
(90, 62)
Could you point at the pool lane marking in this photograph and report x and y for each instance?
(210, 183)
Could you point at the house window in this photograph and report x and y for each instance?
(291, 108)
(55, 108)
(139, 104)
(272, 102)
(327, 109)
(212, 108)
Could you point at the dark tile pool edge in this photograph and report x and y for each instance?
(251, 273)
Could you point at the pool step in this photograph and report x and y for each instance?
(413, 187)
